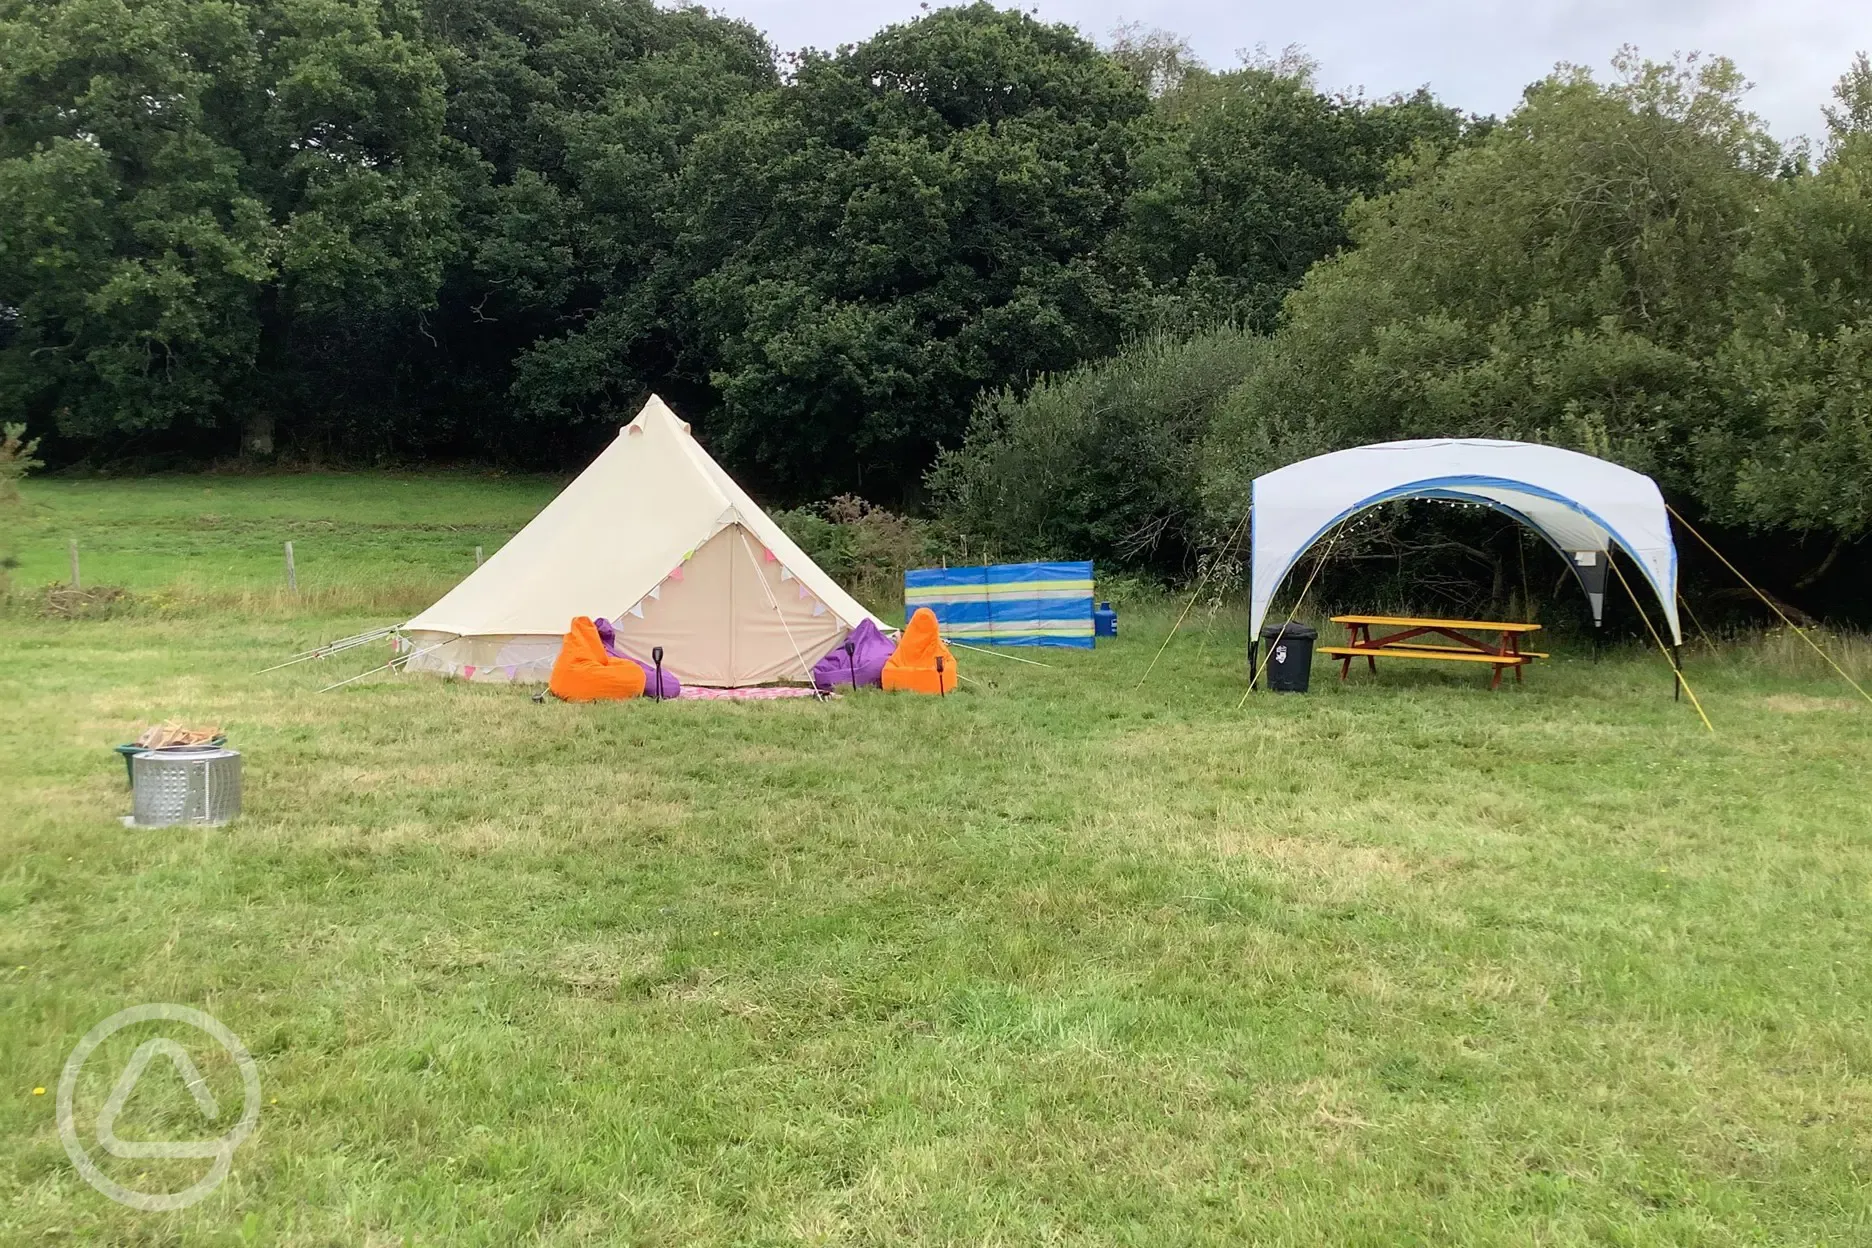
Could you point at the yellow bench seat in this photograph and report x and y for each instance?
(1417, 645)
(1428, 652)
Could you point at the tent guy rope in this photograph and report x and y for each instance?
(805, 668)
(331, 648)
(1015, 658)
(395, 664)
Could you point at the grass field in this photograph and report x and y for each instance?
(1054, 960)
(360, 540)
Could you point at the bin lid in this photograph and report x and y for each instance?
(188, 753)
(1294, 632)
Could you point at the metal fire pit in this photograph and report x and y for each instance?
(185, 786)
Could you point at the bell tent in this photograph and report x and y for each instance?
(655, 537)
(1584, 507)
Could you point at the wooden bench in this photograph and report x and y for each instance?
(1452, 651)
(1506, 653)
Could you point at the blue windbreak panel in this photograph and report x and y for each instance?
(1008, 604)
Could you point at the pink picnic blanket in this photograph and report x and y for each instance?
(756, 693)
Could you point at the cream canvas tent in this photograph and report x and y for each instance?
(657, 538)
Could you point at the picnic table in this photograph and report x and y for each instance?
(1505, 651)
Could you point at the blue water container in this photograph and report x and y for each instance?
(1104, 621)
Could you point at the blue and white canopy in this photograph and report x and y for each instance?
(1582, 505)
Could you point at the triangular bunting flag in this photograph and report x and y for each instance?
(512, 671)
(688, 554)
(468, 671)
(637, 610)
(676, 573)
(767, 553)
(803, 591)
(656, 591)
(818, 608)
(786, 573)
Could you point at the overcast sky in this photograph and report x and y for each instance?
(1475, 54)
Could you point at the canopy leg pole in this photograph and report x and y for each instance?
(1676, 653)
(1254, 661)
(1665, 650)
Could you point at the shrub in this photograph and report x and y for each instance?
(1099, 463)
(16, 460)
(863, 547)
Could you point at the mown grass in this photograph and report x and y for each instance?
(1054, 960)
(363, 540)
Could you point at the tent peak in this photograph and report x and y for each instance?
(654, 409)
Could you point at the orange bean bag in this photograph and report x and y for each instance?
(913, 667)
(583, 672)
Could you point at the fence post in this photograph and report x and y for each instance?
(71, 546)
(477, 556)
(292, 573)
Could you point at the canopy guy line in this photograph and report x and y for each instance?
(1676, 667)
(1191, 604)
(1260, 667)
(1708, 641)
(1772, 604)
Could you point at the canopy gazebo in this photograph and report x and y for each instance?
(1584, 507)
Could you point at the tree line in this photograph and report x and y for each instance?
(417, 229)
(1066, 298)
(1631, 267)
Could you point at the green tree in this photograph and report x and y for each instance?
(906, 222)
(1566, 279)
(1100, 462)
(192, 183)
(582, 111)
(1248, 183)
(1791, 445)
(132, 251)
(346, 217)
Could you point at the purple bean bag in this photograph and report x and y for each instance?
(671, 686)
(869, 650)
